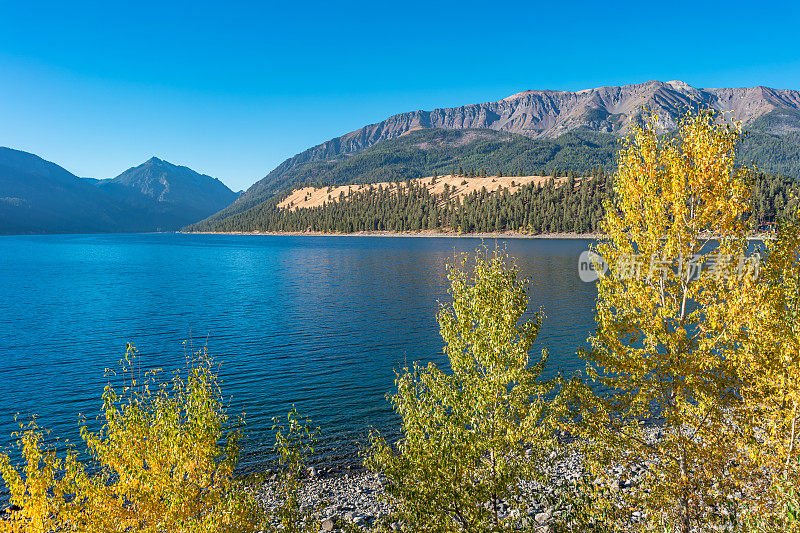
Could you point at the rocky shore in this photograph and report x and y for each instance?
(356, 496)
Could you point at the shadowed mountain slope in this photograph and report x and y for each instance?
(171, 195)
(37, 196)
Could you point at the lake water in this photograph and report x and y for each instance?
(318, 322)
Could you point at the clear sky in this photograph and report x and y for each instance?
(232, 89)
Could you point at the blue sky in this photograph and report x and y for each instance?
(232, 89)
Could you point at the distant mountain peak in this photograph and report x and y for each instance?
(678, 84)
(41, 197)
(168, 183)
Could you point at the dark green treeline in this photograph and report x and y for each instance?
(574, 207)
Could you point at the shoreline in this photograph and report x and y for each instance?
(357, 497)
(428, 234)
(415, 234)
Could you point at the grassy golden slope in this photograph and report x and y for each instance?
(308, 197)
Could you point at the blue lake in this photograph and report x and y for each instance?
(318, 322)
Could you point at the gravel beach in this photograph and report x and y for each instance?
(357, 497)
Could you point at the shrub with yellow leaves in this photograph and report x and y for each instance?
(163, 461)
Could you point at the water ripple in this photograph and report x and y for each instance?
(319, 323)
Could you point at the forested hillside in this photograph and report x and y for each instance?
(423, 152)
(775, 154)
(579, 122)
(571, 205)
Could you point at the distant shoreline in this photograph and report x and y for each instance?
(419, 234)
(426, 234)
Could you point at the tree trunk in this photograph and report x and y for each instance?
(685, 522)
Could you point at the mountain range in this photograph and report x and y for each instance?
(540, 131)
(528, 133)
(37, 196)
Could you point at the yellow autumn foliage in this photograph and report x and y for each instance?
(770, 367)
(669, 325)
(163, 461)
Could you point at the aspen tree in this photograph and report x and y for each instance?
(769, 364)
(667, 329)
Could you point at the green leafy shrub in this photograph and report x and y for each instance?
(294, 443)
(469, 435)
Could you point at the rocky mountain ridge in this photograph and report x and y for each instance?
(173, 192)
(549, 114)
